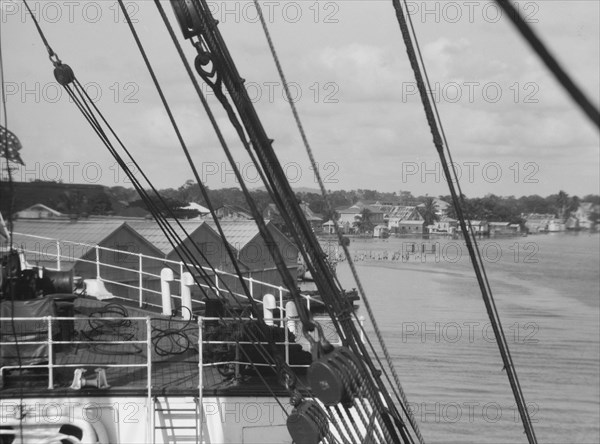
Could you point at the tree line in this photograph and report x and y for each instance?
(490, 207)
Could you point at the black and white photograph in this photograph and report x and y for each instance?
(299, 221)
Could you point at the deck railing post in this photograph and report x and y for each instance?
(283, 315)
(181, 279)
(140, 279)
(50, 355)
(97, 262)
(200, 377)
(150, 409)
(58, 254)
(285, 322)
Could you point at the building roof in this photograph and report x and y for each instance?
(40, 207)
(151, 231)
(350, 210)
(242, 212)
(402, 212)
(446, 219)
(310, 215)
(38, 238)
(85, 231)
(199, 208)
(237, 232)
(412, 222)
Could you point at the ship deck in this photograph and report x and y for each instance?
(101, 344)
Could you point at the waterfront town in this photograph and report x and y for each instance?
(102, 231)
(362, 212)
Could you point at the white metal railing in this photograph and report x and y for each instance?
(58, 257)
(288, 325)
(50, 343)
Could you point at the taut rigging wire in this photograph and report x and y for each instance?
(452, 165)
(259, 314)
(403, 399)
(469, 240)
(88, 114)
(230, 113)
(555, 68)
(255, 212)
(290, 212)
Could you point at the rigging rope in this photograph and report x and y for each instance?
(84, 107)
(295, 393)
(284, 198)
(398, 385)
(471, 246)
(282, 267)
(555, 68)
(207, 199)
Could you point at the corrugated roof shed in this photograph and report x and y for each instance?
(152, 232)
(85, 231)
(38, 238)
(237, 232)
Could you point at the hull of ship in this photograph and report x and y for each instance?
(139, 420)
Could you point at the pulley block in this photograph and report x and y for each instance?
(187, 17)
(335, 377)
(63, 74)
(307, 423)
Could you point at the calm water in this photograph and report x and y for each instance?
(547, 291)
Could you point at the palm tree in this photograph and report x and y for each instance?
(562, 204)
(429, 211)
(364, 223)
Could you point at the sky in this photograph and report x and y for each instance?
(511, 128)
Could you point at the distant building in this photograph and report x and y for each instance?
(446, 225)
(71, 245)
(200, 245)
(328, 227)
(441, 207)
(411, 227)
(480, 227)
(583, 214)
(400, 214)
(193, 206)
(40, 211)
(499, 228)
(556, 226)
(537, 223)
(315, 220)
(271, 212)
(198, 241)
(515, 228)
(233, 212)
(349, 217)
(254, 254)
(352, 216)
(381, 231)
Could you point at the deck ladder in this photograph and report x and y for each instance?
(176, 422)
